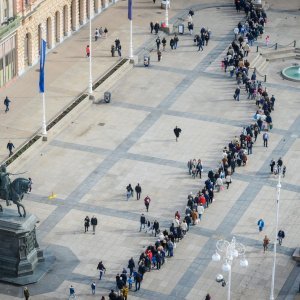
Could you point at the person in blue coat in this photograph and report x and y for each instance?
(261, 224)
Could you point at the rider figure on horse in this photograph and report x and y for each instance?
(4, 184)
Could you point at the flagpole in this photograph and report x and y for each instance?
(130, 22)
(131, 46)
(90, 58)
(44, 125)
(43, 55)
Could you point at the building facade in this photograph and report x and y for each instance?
(9, 23)
(25, 22)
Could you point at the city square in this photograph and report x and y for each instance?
(98, 148)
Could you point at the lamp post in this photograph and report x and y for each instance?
(167, 13)
(276, 230)
(90, 58)
(230, 251)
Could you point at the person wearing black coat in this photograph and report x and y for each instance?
(131, 265)
(94, 223)
(188, 221)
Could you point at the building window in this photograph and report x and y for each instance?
(7, 61)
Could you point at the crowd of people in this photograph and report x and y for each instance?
(235, 154)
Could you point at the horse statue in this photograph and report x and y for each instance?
(14, 191)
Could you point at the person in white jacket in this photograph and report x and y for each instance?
(200, 211)
(219, 183)
(228, 179)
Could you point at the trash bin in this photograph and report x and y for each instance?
(107, 97)
(180, 28)
(146, 61)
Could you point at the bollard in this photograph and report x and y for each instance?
(256, 48)
(276, 46)
(266, 78)
(295, 43)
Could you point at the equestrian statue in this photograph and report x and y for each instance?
(13, 191)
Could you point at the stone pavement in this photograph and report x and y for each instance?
(89, 163)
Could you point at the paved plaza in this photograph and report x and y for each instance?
(89, 160)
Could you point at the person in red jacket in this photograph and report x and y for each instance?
(202, 200)
(147, 201)
(87, 51)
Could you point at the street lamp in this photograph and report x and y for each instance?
(276, 230)
(230, 251)
(90, 58)
(167, 13)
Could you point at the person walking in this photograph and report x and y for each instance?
(265, 139)
(176, 40)
(112, 295)
(147, 201)
(96, 34)
(272, 164)
(279, 164)
(26, 293)
(283, 171)
(131, 266)
(72, 294)
(280, 236)
(138, 191)
(157, 42)
(172, 44)
(199, 43)
(228, 180)
(177, 132)
(266, 242)
(6, 103)
(119, 50)
(29, 185)
(10, 147)
(138, 280)
(237, 92)
(117, 43)
(164, 42)
(100, 32)
(101, 269)
(129, 192)
(86, 224)
(87, 51)
(94, 223)
(156, 27)
(260, 224)
(93, 287)
(208, 297)
(151, 27)
(249, 146)
(112, 50)
(125, 291)
(158, 55)
(105, 32)
(200, 211)
(142, 222)
(156, 227)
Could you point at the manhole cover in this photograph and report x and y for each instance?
(101, 124)
(159, 12)
(54, 52)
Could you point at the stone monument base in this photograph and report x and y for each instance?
(21, 260)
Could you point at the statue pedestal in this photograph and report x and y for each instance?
(21, 260)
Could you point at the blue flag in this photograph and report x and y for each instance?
(129, 9)
(42, 66)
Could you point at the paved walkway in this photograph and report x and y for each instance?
(89, 163)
